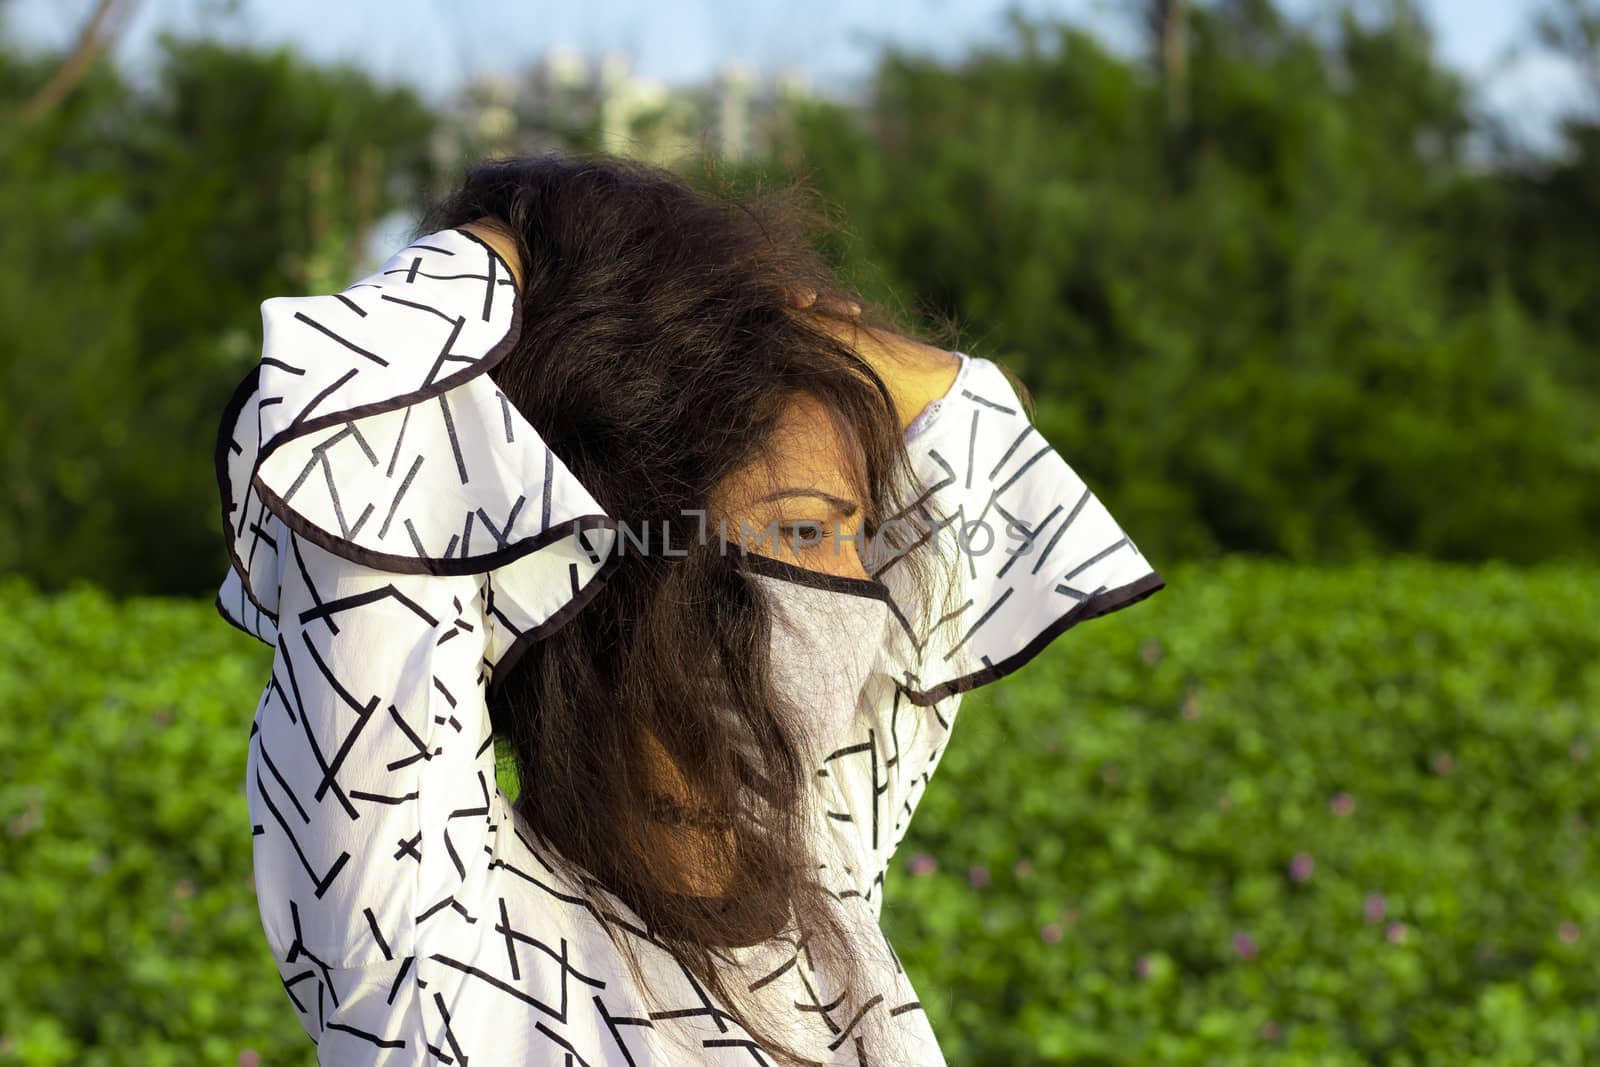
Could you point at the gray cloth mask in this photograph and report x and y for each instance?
(826, 638)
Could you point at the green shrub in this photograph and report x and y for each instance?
(1274, 815)
(132, 935)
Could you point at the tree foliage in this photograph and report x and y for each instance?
(142, 229)
(1280, 287)
(1295, 316)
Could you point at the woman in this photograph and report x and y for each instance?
(618, 471)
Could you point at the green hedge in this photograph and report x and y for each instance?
(1273, 815)
(131, 933)
(1421, 737)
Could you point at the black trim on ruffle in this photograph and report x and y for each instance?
(230, 420)
(338, 545)
(772, 567)
(1107, 602)
(227, 617)
(439, 565)
(508, 658)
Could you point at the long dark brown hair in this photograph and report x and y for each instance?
(659, 347)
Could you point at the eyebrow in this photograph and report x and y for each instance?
(844, 507)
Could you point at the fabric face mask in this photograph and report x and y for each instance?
(826, 637)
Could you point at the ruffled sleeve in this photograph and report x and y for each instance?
(1032, 551)
(398, 533)
(371, 429)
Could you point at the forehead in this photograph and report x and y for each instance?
(809, 447)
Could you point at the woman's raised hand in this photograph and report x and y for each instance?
(493, 234)
(917, 374)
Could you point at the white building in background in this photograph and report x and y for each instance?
(731, 91)
(568, 101)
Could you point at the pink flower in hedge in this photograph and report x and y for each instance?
(1395, 933)
(1301, 866)
(1141, 965)
(1373, 911)
(249, 1058)
(1568, 932)
(1191, 705)
(1023, 869)
(184, 889)
(921, 864)
(1443, 763)
(977, 876)
(1244, 945)
(1150, 650)
(1050, 933)
(1270, 1030)
(1342, 804)
(27, 821)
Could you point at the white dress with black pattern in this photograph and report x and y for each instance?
(398, 534)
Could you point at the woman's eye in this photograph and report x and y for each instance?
(803, 533)
(806, 537)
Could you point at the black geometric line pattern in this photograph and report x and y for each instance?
(371, 428)
(398, 533)
(1037, 550)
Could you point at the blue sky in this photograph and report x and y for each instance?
(436, 43)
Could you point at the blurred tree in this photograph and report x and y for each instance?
(1534, 225)
(1167, 24)
(1572, 28)
(1267, 295)
(100, 30)
(141, 232)
(1277, 354)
